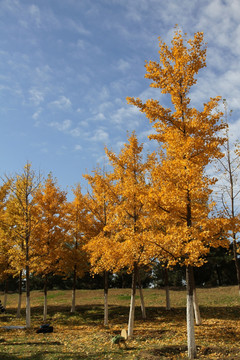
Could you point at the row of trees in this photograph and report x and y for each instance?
(140, 212)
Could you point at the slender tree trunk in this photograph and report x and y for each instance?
(28, 307)
(132, 304)
(5, 294)
(231, 171)
(190, 315)
(198, 319)
(105, 298)
(19, 295)
(219, 275)
(73, 308)
(168, 306)
(237, 265)
(45, 300)
(143, 309)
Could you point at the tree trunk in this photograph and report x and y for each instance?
(105, 298)
(237, 266)
(143, 309)
(45, 300)
(168, 306)
(132, 304)
(73, 308)
(219, 275)
(28, 307)
(198, 319)
(190, 316)
(19, 295)
(5, 294)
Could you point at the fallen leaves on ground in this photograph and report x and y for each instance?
(81, 336)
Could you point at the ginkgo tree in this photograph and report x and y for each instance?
(189, 141)
(5, 245)
(125, 246)
(73, 260)
(21, 221)
(51, 215)
(97, 203)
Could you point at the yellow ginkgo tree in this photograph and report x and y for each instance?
(51, 216)
(97, 202)
(73, 260)
(189, 141)
(5, 244)
(122, 244)
(21, 221)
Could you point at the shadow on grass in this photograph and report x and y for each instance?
(33, 343)
(164, 352)
(92, 315)
(43, 355)
(175, 351)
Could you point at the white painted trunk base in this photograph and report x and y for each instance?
(190, 328)
(131, 316)
(143, 309)
(198, 319)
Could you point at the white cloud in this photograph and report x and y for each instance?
(123, 65)
(76, 132)
(77, 26)
(43, 73)
(97, 117)
(100, 135)
(10, 5)
(77, 147)
(36, 96)
(35, 14)
(62, 103)
(37, 113)
(61, 126)
(81, 44)
(126, 116)
(84, 123)
(234, 131)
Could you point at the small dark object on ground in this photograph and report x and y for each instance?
(2, 309)
(45, 328)
(118, 339)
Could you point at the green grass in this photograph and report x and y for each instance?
(81, 335)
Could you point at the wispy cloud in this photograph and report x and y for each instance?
(100, 135)
(78, 147)
(36, 96)
(61, 126)
(35, 14)
(76, 26)
(123, 65)
(62, 103)
(37, 113)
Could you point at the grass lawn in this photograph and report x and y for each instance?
(162, 336)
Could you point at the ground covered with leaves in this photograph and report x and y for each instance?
(81, 335)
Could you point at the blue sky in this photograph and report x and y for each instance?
(67, 67)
